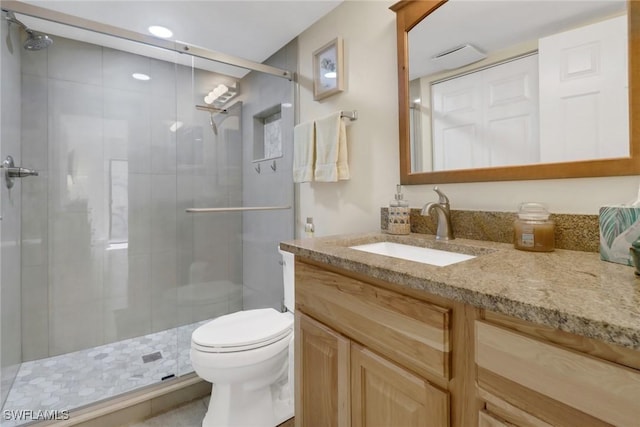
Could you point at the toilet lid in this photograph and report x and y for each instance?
(243, 330)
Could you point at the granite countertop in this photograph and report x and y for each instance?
(569, 290)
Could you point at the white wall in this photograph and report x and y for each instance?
(368, 30)
(576, 196)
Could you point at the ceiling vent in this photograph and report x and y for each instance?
(458, 57)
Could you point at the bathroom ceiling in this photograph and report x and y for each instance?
(251, 30)
(492, 26)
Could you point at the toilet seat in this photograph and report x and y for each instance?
(242, 331)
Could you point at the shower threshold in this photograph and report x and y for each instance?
(54, 386)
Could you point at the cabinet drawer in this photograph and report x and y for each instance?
(501, 411)
(594, 387)
(411, 332)
(485, 419)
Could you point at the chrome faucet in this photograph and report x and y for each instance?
(444, 230)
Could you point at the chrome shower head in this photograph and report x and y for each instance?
(35, 40)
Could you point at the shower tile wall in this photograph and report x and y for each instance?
(208, 175)
(263, 230)
(107, 246)
(10, 310)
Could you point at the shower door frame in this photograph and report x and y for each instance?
(154, 390)
(171, 45)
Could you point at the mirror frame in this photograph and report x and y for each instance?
(409, 13)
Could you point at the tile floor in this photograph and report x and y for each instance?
(74, 380)
(189, 415)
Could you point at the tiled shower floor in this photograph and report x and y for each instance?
(73, 380)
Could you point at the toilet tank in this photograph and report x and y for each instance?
(288, 278)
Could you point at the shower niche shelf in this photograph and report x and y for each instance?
(267, 134)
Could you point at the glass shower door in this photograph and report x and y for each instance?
(98, 244)
(10, 212)
(209, 174)
(104, 272)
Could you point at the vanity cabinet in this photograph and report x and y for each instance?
(372, 353)
(367, 356)
(346, 384)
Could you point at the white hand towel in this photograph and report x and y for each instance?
(304, 143)
(331, 149)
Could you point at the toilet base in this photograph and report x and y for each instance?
(231, 406)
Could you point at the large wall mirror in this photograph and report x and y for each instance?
(518, 89)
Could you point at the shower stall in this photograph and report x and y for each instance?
(140, 223)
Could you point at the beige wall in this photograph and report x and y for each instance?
(368, 30)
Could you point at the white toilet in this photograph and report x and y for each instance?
(248, 356)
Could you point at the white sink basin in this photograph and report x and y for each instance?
(414, 253)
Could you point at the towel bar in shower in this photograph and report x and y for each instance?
(237, 209)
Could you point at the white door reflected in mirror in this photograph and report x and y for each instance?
(553, 88)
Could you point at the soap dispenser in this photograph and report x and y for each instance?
(399, 214)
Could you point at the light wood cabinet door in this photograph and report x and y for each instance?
(321, 375)
(384, 394)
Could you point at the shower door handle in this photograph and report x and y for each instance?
(11, 171)
(18, 172)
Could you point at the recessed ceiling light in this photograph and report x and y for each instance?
(159, 31)
(140, 76)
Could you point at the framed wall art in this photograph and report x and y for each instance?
(328, 73)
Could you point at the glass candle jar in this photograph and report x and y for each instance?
(533, 230)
